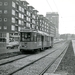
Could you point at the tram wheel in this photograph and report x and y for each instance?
(21, 51)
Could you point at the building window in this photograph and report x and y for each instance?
(13, 20)
(23, 10)
(32, 21)
(33, 26)
(29, 19)
(0, 3)
(19, 21)
(0, 11)
(0, 19)
(33, 16)
(12, 27)
(27, 13)
(27, 25)
(13, 12)
(17, 14)
(37, 27)
(19, 8)
(22, 23)
(3, 34)
(5, 11)
(16, 28)
(20, 16)
(5, 27)
(19, 28)
(16, 21)
(0, 27)
(5, 3)
(13, 4)
(40, 21)
(37, 23)
(5, 19)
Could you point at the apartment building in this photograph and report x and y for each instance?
(54, 18)
(46, 26)
(16, 15)
(11, 19)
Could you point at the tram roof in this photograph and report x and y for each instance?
(43, 33)
(27, 30)
(30, 30)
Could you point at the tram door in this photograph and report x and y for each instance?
(51, 41)
(42, 39)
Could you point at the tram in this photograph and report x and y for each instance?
(34, 40)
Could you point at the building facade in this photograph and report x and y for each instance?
(11, 19)
(16, 15)
(54, 18)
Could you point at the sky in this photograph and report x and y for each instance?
(65, 8)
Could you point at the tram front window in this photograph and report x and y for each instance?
(25, 36)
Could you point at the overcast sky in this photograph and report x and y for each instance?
(65, 8)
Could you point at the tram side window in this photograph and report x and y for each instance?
(20, 36)
(26, 37)
(46, 38)
(33, 37)
(38, 38)
(2, 40)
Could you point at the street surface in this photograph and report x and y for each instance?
(34, 64)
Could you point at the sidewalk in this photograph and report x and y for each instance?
(4, 50)
(73, 44)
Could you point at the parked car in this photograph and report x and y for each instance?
(12, 45)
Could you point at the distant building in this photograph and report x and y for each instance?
(67, 36)
(45, 25)
(54, 18)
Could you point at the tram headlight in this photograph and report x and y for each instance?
(25, 46)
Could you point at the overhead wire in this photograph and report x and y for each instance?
(56, 6)
(57, 9)
(49, 5)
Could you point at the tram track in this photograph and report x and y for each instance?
(36, 64)
(13, 54)
(25, 65)
(6, 61)
(31, 63)
(12, 59)
(8, 55)
(44, 70)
